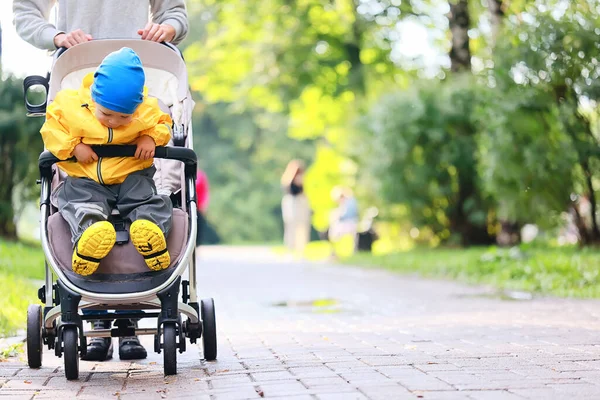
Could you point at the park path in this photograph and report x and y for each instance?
(297, 330)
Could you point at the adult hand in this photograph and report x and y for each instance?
(157, 32)
(71, 39)
(145, 148)
(84, 153)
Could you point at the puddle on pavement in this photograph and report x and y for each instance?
(316, 306)
(509, 295)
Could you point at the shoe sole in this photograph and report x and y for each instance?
(150, 242)
(95, 244)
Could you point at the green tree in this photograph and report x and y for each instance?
(423, 148)
(20, 145)
(547, 65)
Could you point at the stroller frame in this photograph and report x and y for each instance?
(59, 325)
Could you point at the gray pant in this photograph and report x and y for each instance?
(82, 202)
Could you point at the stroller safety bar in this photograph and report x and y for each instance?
(183, 154)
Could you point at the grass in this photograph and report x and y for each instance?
(20, 263)
(542, 269)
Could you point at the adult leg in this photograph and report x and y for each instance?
(139, 201)
(98, 348)
(200, 223)
(84, 203)
(303, 225)
(130, 347)
(287, 214)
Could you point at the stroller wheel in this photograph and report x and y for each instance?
(170, 348)
(34, 336)
(71, 355)
(209, 329)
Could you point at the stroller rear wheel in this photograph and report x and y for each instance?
(34, 336)
(209, 329)
(71, 354)
(170, 348)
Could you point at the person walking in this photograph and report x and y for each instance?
(295, 208)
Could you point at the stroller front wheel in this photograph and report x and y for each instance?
(209, 329)
(170, 348)
(71, 354)
(34, 336)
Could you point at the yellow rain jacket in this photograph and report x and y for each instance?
(70, 120)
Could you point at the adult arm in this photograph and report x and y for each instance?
(172, 13)
(31, 22)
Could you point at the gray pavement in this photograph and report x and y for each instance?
(293, 330)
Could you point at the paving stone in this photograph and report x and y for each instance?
(272, 376)
(333, 380)
(386, 392)
(19, 393)
(283, 389)
(230, 381)
(316, 372)
(28, 383)
(341, 396)
(491, 395)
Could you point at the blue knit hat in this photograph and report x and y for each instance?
(119, 82)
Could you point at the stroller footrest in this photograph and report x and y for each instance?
(119, 333)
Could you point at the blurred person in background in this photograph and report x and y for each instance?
(345, 218)
(295, 208)
(202, 197)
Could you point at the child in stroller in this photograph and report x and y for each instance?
(110, 108)
(121, 280)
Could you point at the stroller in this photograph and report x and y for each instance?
(122, 282)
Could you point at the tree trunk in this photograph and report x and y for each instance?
(471, 234)
(459, 21)
(496, 17)
(7, 165)
(595, 234)
(353, 48)
(510, 233)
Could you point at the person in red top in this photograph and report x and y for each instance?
(202, 196)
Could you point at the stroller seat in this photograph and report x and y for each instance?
(123, 283)
(124, 268)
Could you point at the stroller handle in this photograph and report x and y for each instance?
(186, 156)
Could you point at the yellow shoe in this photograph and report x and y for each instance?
(93, 245)
(150, 242)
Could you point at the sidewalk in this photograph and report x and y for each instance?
(313, 331)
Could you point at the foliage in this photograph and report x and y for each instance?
(539, 269)
(526, 160)
(13, 350)
(541, 142)
(422, 146)
(517, 142)
(244, 162)
(20, 145)
(19, 265)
